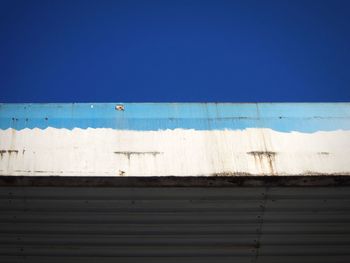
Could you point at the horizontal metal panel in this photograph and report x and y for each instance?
(310, 216)
(86, 239)
(130, 205)
(175, 193)
(304, 258)
(124, 217)
(174, 239)
(133, 229)
(302, 250)
(155, 183)
(305, 239)
(84, 217)
(306, 228)
(127, 193)
(175, 259)
(130, 224)
(313, 205)
(130, 251)
(173, 205)
(302, 193)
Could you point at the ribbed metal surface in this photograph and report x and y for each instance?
(184, 224)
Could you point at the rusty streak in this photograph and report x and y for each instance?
(270, 157)
(262, 153)
(8, 151)
(323, 153)
(232, 174)
(128, 154)
(12, 151)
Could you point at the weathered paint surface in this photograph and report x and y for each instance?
(185, 139)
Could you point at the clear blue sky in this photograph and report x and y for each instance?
(239, 51)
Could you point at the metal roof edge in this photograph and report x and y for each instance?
(174, 181)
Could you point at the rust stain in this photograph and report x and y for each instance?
(232, 174)
(312, 173)
(46, 171)
(128, 154)
(323, 153)
(260, 156)
(2, 152)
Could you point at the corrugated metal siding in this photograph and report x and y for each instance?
(175, 224)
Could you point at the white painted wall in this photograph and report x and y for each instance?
(172, 152)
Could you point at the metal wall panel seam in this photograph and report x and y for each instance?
(260, 225)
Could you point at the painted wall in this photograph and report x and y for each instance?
(181, 139)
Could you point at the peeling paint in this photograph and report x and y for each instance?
(119, 107)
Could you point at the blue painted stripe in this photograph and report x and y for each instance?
(286, 117)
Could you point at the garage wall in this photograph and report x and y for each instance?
(174, 224)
